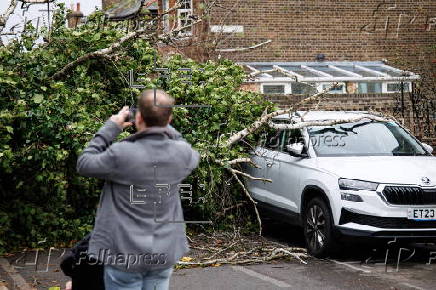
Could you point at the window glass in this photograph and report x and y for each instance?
(185, 4)
(302, 89)
(274, 139)
(357, 70)
(292, 136)
(338, 90)
(273, 89)
(385, 70)
(184, 16)
(365, 138)
(329, 70)
(369, 88)
(165, 18)
(398, 87)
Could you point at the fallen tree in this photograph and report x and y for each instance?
(56, 94)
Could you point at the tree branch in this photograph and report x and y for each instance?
(265, 119)
(115, 46)
(243, 48)
(249, 176)
(326, 122)
(5, 17)
(251, 199)
(243, 160)
(36, 1)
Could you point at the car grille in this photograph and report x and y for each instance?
(409, 195)
(383, 222)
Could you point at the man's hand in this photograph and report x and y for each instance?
(120, 118)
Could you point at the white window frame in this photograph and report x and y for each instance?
(165, 18)
(319, 87)
(287, 87)
(385, 87)
(179, 20)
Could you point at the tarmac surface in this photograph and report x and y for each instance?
(356, 267)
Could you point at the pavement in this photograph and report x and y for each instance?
(356, 267)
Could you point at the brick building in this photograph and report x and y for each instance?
(342, 30)
(326, 39)
(298, 30)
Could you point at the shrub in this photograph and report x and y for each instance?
(44, 125)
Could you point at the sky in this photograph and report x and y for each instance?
(17, 19)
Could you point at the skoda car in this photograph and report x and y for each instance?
(363, 178)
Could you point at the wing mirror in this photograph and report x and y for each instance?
(296, 149)
(428, 147)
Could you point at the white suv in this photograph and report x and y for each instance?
(365, 178)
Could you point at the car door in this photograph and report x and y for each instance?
(285, 172)
(263, 157)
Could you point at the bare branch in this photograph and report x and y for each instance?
(239, 160)
(243, 48)
(248, 175)
(301, 125)
(5, 17)
(251, 199)
(115, 46)
(229, 208)
(265, 118)
(243, 160)
(36, 1)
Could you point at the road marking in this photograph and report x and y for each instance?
(252, 273)
(19, 281)
(412, 286)
(351, 266)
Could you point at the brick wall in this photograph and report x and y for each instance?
(301, 29)
(342, 30)
(384, 103)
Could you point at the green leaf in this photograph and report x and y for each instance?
(96, 37)
(38, 98)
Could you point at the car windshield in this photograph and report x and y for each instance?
(364, 138)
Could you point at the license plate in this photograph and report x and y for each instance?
(421, 214)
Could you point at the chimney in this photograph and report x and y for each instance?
(74, 16)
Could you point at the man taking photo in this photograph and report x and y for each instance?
(139, 232)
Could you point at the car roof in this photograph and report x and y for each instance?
(299, 116)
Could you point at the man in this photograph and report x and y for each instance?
(138, 233)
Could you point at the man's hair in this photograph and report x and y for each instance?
(155, 106)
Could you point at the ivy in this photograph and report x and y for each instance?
(45, 124)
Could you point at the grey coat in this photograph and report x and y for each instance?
(134, 228)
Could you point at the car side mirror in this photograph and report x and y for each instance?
(296, 149)
(428, 147)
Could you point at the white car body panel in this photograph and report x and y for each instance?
(291, 175)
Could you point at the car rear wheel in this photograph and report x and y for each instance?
(318, 228)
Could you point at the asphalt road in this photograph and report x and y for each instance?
(356, 267)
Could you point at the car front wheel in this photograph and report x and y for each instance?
(318, 228)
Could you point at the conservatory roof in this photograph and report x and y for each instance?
(326, 71)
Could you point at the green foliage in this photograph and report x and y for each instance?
(44, 125)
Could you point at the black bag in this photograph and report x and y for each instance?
(86, 274)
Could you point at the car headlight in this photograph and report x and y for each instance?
(354, 184)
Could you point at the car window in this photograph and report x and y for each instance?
(364, 138)
(292, 136)
(274, 139)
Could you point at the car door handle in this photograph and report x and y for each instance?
(269, 164)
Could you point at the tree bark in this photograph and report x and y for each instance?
(5, 17)
(265, 119)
